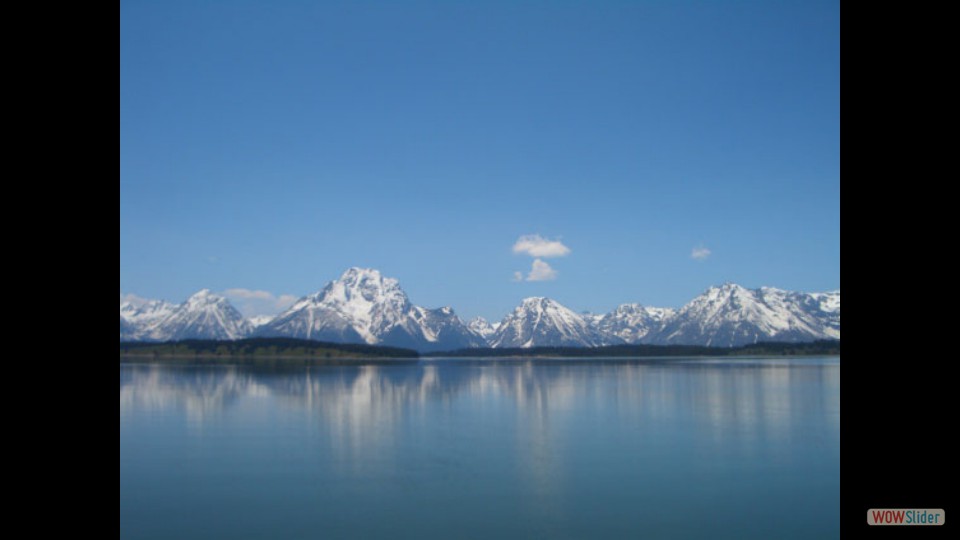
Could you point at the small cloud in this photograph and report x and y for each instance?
(285, 300)
(541, 271)
(535, 245)
(252, 302)
(133, 299)
(518, 276)
(247, 294)
(700, 253)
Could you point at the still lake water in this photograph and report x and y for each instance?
(483, 449)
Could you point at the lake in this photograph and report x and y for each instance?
(494, 449)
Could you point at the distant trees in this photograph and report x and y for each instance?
(256, 348)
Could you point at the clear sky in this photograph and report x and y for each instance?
(656, 148)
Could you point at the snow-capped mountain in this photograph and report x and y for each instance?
(203, 316)
(362, 306)
(731, 315)
(483, 328)
(542, 322)
(442, 326)
(829, 304)
(126, 330)
(633, 322)
(146, 311)
(829, 301)
(139, 318)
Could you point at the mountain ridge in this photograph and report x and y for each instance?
(364, 307)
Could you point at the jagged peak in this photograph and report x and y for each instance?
(357, 276)
(356, 272)
(728, 286)
(364, 285)
(539, 302)
(629, 308)
(204, 297)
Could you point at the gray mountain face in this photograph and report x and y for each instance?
(730, 316)
(445, 331)
(542, 322)
(633, 323)
(365, 307)
(126, 330)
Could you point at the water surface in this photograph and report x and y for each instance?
(489, 449)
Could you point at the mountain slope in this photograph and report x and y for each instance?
(633, 322)
(829, 305)
(259, 320)
(445, 331)
(139, 319)
(483, 328)
(363, 306)
(203, 316)
(731, 315)
(126, 330)
(542, 322)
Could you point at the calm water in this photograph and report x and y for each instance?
(459, 449)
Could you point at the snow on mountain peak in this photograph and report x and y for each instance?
(141, 310)
(204, 315)
(633, 323)
(205, 297)
(141, 317)
(732, 315)
(542, 322)
(483, 328)
(364, 306)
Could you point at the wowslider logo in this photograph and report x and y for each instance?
(904, 516)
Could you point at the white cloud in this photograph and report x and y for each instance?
(133, 299)
(137, 301)
(252, 302)
(541, 271)
(700, 253)
(518, 276)
(247, 294)
(535, 245)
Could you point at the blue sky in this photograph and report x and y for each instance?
(268, 146)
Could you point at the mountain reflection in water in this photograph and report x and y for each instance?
(565, 449)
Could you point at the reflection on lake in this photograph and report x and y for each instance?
(444, 449)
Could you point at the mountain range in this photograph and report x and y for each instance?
(363, 306)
